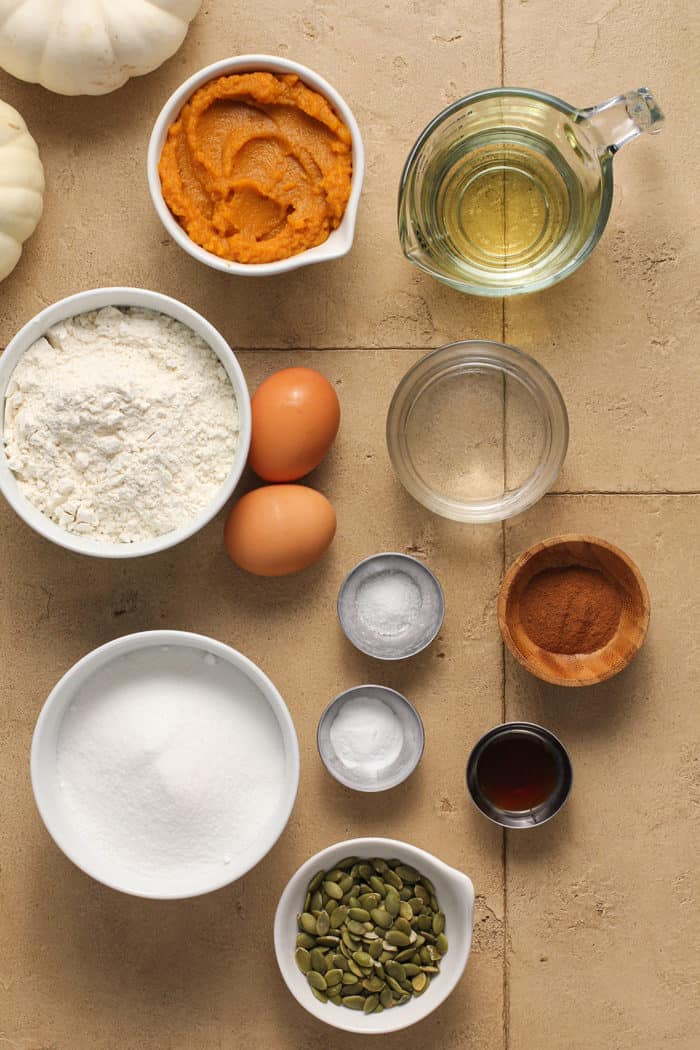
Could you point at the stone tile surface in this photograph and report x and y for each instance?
(86, 967)
(602, 901)
(396, 64)
(620, 335)
(599, 910)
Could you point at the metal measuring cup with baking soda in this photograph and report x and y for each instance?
(574, 610)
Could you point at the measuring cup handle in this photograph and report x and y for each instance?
(617, 121)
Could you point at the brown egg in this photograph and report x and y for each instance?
(295, 417)
(279, 529)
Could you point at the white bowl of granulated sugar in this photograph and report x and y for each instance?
(165, 764)
(125, 425)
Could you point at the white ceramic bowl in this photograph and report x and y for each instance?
(340, 240)
(57, 818)
(95, 299)
(455, 894)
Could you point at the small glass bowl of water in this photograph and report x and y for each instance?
(477, 431)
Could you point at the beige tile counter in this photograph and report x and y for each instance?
(586, 932)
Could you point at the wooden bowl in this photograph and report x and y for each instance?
(579, 668)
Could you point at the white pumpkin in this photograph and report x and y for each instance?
(90, 47)
(21, 187)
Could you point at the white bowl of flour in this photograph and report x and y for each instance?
(125, 423)
(165, 764)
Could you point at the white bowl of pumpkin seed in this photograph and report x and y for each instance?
(372, 934)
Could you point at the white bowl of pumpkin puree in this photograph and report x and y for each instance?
(255, 167)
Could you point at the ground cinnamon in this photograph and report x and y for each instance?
(572, 609)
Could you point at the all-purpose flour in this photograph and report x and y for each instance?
(172, 768)
(120, 424)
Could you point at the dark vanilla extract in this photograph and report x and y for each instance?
(517, 771)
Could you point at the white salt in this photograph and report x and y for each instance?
(389, 602)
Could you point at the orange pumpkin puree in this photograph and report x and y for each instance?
(257, 167)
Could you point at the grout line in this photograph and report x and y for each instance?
(634, 492)
(504, 846)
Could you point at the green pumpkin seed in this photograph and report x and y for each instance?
(420, 983)
(338, 916)
(316, 980)
(386, 998)
(377, 885)
(362, 959)
(403, 956)
(425, 923)
(392, 879)
(365, 871)
(410, 969)
(307, 902)
(354, 1002)
(328, 942)
(339, 962)
(346, 862)
(379, 865)
(316, 881)
(392, 903)
(305, 940)
(356, 968)
(438, 922)
(368, 901)
(332, 889)
(349, 979)
(394, 985)
(425, 956)
(320, 995)
(334, 976)
(379, 970)
(433, 902)
(429, 886)
(396, 970)
(371, 1003)
(373, 984)
(359, 915)
(370, 935)
(379, 1009)
(330, 906)
(303, 959)
(441, 944)
(422, 893)
(430, 969)
(406, 893)
(335, 875)
(385, 955)
(403, 999)
(407, 873)
(433, 951)
(400, 924)
(346, 882)
(355, 928)
(307, 922)
(397, 938)
(406, 911)
(318, 960)
(350, 942)
(381, 917)
(375, 949)
(316, 903)
(323, 923)
(335, 999)
(390, 949)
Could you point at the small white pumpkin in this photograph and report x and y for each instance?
(90, 47)
(21, 187)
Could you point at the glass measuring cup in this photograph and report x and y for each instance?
(509, 190)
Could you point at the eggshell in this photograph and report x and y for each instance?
(295, 417)
(279, 529)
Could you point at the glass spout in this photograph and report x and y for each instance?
(614, 123)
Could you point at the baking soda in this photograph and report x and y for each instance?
(366, 735)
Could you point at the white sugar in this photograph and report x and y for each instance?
(170, 767)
